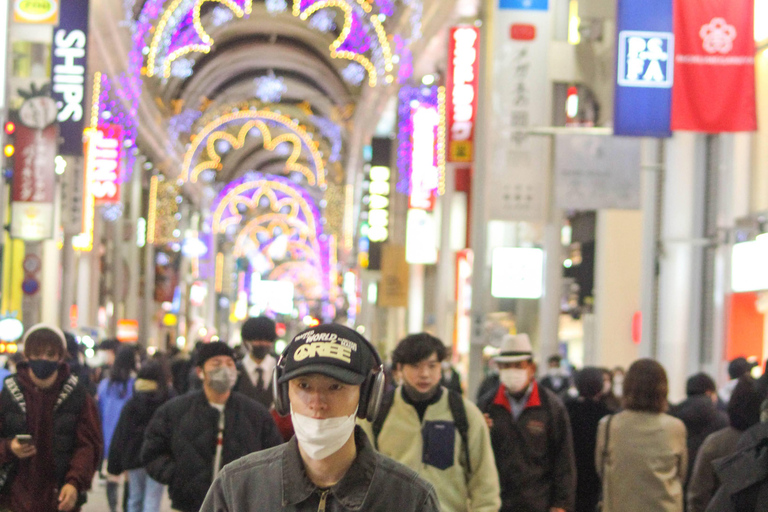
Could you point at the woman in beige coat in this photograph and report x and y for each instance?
(644, 461)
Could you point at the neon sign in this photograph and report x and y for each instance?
(378, 205)
(102, 172)
(425, 174)
(462, 83)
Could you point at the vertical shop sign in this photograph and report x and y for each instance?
(645, 68)
(461, 86)
(103, 163)
(521, 99)
(424, 170)
(714, 66)
(32, 192)
(68, 67)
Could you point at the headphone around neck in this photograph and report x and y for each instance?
(371, 390)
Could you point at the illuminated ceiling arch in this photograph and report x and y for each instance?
(353, 41)
(362, 39)
(306, 278)
(279, 194)
(204, 144)
(264, 227)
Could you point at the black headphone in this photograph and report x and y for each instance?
(371, 390)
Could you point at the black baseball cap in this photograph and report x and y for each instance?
(329, 349)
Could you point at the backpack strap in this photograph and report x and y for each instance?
(12, 385)
(386, 404)
(66, 390)
(461, 422)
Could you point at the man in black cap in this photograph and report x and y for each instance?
(255, 379)
(192, 436)
(736, 368)
(327, 377)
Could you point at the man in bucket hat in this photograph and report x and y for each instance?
(327, 378)
(530, 435)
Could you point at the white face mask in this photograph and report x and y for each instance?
(322, 438)
(514, 379)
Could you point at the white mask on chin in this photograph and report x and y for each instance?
(322, 438)
(514, 379)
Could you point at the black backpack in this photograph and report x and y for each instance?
(456, 405)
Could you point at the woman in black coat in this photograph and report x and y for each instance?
(585, 413)
(150, 392)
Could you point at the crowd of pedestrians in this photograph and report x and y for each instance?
(329, 426)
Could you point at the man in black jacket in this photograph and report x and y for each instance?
(530, 435)
(191, 437)
(255, 379)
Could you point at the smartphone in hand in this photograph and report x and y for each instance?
(24, 439)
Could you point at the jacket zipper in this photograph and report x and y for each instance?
(323, 498)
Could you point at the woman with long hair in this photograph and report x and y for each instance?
(112, 394)
(641, 452)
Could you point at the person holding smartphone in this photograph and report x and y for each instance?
(50, 438)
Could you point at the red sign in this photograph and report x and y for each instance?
(461, 87)
(102, 168)
(522, 32)
(714, 76)
(33, 176)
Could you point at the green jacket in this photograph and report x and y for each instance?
(459, 489)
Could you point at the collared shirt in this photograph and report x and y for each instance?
(267, 366)
(518, 406)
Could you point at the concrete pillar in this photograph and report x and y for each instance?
(446, 265)
(416, 298)
(617, 287)
(680, 281)
(132, 251)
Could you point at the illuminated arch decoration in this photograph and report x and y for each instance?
(180, 32)
(355, 40)
(283, 199)
(203, 144)
(263, 229)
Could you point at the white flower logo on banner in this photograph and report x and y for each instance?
(717, 36)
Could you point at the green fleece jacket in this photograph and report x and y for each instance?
(458, 489)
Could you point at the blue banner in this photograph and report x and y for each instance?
(645, 49)
(526, 5)
(69, 57)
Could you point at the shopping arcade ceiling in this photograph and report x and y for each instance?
(203, 75)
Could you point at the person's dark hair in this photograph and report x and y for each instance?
(646, 387)
(699, 384)
(260, 328)
(554, 359)
(156, 369)
(125, 363)
(744, 406)
(415, 348)
(738, 367)
(41, 341)
(589, 381)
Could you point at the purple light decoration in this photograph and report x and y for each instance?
(405, 69)
(386, 7)
(323, 242)
(408, 94)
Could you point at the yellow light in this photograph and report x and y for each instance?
(290, 225)
(95, 100)
(9, 150)
(151, 216)
(441, 140)
(257, 119)
(574, 36)
(219, 284)
(349, 217)
(262, 188)
(84, 241)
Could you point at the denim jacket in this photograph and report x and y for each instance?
(275, 479)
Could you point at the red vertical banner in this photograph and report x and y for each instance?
(714, 85)
(461, 88)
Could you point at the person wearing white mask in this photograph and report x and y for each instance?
(530, 435)
(327, 377)
(191, 437)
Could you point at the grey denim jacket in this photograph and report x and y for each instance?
(275, 479)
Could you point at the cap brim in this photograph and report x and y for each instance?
(346, 376)
(512, 359)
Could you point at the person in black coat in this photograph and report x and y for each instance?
(700, 414)
(191, 437)
(150, 392)
(585, 413)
